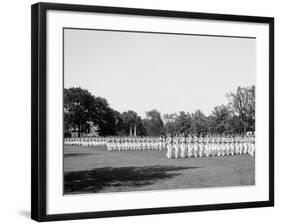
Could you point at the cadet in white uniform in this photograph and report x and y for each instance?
(183, 146)
(222, 145)
(195, 146)
(213, 145)
(207, 145)
(169, 147)
(200, 146)
(176, 146)
(245, 144)
(252, 145)
(189, 145)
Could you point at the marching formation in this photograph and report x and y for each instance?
(114, 143)
(210, 145)
(179, 146)
(86, 141)
(136, 143)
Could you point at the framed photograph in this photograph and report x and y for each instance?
(141, 111)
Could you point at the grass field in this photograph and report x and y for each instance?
(95, 170)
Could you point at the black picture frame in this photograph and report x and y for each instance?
(38, 110)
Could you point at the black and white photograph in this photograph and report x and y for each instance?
(139, 111)
(148, 111)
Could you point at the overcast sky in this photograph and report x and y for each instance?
(170, 73)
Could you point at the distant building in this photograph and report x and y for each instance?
(92, 131)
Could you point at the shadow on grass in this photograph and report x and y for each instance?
(96, 180)
(69, 155)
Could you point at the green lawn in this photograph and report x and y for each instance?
(94, 170)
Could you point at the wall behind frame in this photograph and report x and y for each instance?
(15, 109)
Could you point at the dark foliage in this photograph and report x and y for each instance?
(84, 111)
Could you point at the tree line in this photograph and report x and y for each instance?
(83, 111)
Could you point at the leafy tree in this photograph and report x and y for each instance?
(175, 123)
(183, 122)
(81, 108)
(236, 125)
(107, 121)
(140, 130)
(243, 104)
(200, 123)
(220, 119)
(170, 126)
(153, 123)
(78, 109)
(119, 123)
(131, 121)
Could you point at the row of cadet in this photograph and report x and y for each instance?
(179, 146)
